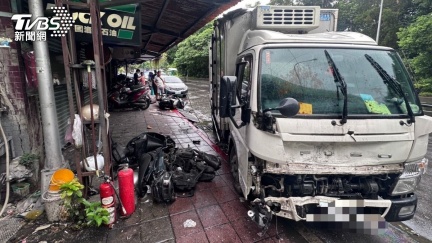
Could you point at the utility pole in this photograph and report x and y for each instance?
(53, 155)
(379, 21)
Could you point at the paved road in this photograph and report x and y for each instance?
(415, 230)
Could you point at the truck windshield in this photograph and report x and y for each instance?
(306, 75)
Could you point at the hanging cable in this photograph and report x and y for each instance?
(7, 170)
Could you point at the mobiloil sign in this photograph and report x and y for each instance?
(121, 25)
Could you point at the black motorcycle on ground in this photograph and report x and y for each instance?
(159, 164)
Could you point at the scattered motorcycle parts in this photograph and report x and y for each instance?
(171, 102)
(162, 187)
(165, 168)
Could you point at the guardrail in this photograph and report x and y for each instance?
(426, 104)
(427, 109)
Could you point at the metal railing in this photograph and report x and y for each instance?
(427, 109)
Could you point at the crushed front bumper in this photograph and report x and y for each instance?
(289, 207)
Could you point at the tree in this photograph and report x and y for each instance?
(362, 16)
(321, 3)
(192, 55)
(171, 55)
(416, 41)
(281, 2)
(257, 3)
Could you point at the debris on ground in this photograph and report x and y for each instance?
(189, 223)
(41, 228)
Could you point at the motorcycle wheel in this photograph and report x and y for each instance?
(146, 103)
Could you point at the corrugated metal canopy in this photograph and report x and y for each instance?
(166, 23)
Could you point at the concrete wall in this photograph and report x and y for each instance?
(21, 121)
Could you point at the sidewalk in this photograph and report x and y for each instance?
(218, 211)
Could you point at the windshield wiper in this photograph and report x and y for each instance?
(340, 85)
(393, 83)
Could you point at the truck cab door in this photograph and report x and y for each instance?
(242, 116)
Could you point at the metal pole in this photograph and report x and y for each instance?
(100, 79)
(53, 155)
(51, 135)
(379, 21)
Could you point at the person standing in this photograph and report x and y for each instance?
(160, 83)
(136, 77)
(152, 84)
(142, 79)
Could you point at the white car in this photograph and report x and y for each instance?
(175, 86)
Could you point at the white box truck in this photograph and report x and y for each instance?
(313, 117)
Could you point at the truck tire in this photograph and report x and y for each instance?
(234, 169)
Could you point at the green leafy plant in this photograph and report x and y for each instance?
(71, 194)
(71, 191)
(79, 209)
(95, 214)
(27, 160)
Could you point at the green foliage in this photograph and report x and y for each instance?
(426, 94)
(362, 16)
(170, 56)
(416, 41)
(321, 3)
(95, 214)
(257, 3)
(192, 55)
(27, 160)
(281, 2)
(71, 193)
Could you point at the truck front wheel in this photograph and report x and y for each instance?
(234, 169)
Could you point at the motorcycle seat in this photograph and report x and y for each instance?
(137, 87)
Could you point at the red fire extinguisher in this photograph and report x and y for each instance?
(126, 190)
(107, 195)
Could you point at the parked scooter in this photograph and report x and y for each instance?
(124, 96)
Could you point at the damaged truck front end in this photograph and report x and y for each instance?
(318, 123)
(308, 139)
(301, 196)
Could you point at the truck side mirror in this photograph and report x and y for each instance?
(287, 107)
(227, 96)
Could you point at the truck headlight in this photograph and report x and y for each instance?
(410, 178)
